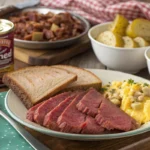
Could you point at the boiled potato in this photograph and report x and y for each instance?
(54, 27)
(141, 42)
(139, 27)
(129, 42)
(110, 38)
(37, 36)
(119, 25)
(129, 32)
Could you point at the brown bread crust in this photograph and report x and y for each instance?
(18, 90)
(24, 96)
(69, 84)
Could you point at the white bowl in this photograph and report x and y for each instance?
(147, 56)
(129, 60)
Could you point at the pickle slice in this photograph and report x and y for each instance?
(110, 38)
(129, 42)
(119, 25)
(141, 42)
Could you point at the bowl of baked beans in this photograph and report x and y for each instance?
(44, 28)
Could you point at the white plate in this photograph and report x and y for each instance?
(18, 111)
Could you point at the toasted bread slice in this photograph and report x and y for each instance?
(35, 84)
(85, 78)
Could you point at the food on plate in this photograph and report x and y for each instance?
(129, 42)
(45, 107)
(141, 41)
(34, 84)
(90, 108)
(139, 27)
(46, 81)
(71, 99)
(49, 26)
(73, 121)
(66, 117)
(30, 114)
(85, 78)
(50, 119)
(131, 97)
(110, 38)
(132, 35)
(101, 108)
(119, 25)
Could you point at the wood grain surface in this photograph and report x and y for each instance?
(129, 143)
(87, 60)
(51, 56)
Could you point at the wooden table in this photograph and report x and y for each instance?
(88, 60)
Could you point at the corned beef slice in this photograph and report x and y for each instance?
(90, 103)
(73, 112)
(72, 120)
(47, 106)
(91, 127)
(50, 120)
(107, 114)
(111, 117)
(30, 112)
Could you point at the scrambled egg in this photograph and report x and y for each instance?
(131, 97)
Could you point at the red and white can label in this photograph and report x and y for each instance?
(6, 54)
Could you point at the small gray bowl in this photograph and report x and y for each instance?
(54, 44)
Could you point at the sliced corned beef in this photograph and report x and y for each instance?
(90, 103)
(50, 120)
(30, 112)
(107, 114)
(91, 127)
(47, 106)
(72, 120)
(111, 117)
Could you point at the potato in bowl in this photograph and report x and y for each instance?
(130, 60)
(122, 33)
(120, 47)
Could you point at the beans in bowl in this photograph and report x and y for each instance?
(35, 26)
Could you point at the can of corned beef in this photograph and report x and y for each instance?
(6, 48)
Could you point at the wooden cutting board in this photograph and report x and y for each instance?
(51, 57)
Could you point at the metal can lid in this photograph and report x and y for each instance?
(6, 26)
